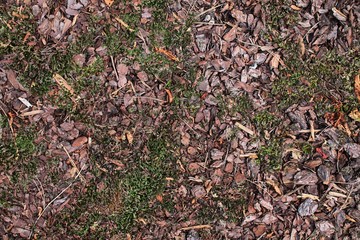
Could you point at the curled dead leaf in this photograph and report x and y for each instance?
(170, 97)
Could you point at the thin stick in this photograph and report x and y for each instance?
(195, 227)
(115, 70)
(208, 10)
(48, 205)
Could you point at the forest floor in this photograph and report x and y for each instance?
(186, 119)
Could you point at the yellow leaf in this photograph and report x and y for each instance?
(109, 2)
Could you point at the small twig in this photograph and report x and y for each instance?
(308, 131)
(208, 10)
(115, 70)
(196, 227)
(53, 200)
(312, 131)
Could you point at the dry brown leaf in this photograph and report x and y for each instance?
(167, 54)
(62, 83)
(170, 97)
(274, 185)
(109, 2)
(357, 86)
(274, 63)
(11, 76)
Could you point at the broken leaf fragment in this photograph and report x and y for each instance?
(62, 83)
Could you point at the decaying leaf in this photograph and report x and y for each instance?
(62, 83)
(167, 53)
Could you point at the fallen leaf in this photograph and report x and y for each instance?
(109, 2)
(62, 83)
(167, 54)
(11, 76)
(275, 185)
(357, 86)
(170, 97)
(274, 63)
